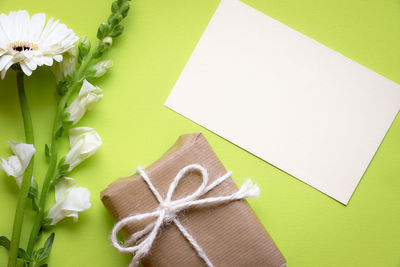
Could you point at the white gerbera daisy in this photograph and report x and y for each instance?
(31, 42)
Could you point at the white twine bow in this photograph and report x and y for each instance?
(168, 210)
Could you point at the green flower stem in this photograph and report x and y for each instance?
(26, 181)
(51, 171)
(47, 181)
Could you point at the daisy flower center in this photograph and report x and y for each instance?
(20, 46)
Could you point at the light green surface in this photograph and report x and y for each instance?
(310, 228)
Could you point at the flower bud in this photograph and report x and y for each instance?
(87, 98)
(107, 42)
(84, 142)
(117, 31)
(69, 200)
(84, 47)
(99, 50)
(115, 19)
(66, 66)
(114, 7)
(125, 9)
(101, 68)
(102, 31)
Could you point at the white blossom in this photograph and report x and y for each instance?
(86, 100)
(31, 42)
(16, 165)
(84, 142)
(69, 200)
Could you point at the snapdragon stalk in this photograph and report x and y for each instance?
(106, 32)
(51, 173)
(26, 181)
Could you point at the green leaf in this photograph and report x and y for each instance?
(33, 194)
(68, 123)
(49, 243)
(35, 206)
(65, 116)
(56, 180)
(41, 229)
(63, 168)
(33, 189)
(62, 87)
(5, 242)
(44, 252)
(44, 265)
(69, 78)
(47, 150)
(90, 74)
(62, 161)
(23, 255)
(117, 31)
(37, 254)
(60, 132)
(46, 222)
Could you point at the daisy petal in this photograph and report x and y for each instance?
(4, 61)
(30, 63)
(36, 26)
(25, 69)
(58, 58)
(4, 71)
(47, 61)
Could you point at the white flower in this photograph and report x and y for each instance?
(32, 42)
(84, 142)
(102, 67)
(65, 67)
(69, 200)
(16, 165)
(87, 98)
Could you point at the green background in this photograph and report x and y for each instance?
(310, 228)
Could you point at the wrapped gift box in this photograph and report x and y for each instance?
(230, 234)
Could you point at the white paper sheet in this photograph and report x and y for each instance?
(286, 98)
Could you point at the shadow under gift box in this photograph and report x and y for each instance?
(230, 234)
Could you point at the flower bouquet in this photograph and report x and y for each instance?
(26, 43)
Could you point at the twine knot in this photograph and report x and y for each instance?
(169, 211)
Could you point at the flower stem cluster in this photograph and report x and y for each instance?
(76, 96)
(112, 28)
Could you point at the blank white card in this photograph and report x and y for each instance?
(286, 98)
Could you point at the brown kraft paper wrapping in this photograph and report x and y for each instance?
(230, 234)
